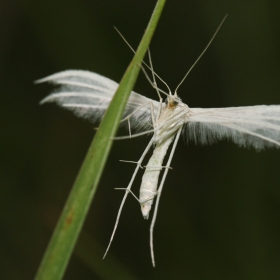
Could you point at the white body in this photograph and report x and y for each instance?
(168, 122)
(148, 189)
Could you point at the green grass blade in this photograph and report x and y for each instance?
(74, 213)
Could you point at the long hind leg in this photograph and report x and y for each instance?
(159, 193)
(126, 193)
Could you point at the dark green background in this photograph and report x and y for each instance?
(219, 215)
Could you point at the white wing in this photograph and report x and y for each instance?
(258, 126)
(88, 95)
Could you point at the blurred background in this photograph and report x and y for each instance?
(219, 215)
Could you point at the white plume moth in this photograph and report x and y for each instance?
(88, 95)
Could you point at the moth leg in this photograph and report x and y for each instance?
(159, 194)
(140, 201)
(131, 114)
(127, 192)
(133, 135)
(154, 83)
(130, 161)
(154, 75)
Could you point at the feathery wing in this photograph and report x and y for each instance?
(257, 126)
(88, 95)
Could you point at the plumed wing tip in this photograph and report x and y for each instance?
(52, 78)
(45, 100)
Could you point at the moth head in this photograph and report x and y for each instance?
(172, 101)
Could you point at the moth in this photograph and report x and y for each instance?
(89, 94)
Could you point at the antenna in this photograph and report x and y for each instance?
(220, 25)
(149, 67)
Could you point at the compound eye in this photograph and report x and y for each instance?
(166, 100)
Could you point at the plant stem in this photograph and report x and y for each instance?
(65, 235)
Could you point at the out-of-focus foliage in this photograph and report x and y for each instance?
(220, 208)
